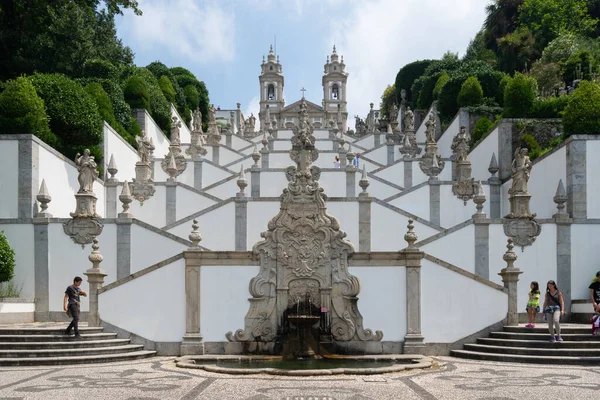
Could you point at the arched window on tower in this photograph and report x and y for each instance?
(335, 92)
(271, 92)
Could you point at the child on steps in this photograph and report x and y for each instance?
(533, 304)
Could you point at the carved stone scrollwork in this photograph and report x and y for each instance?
(303, 256)
(180, 161)
(83, 230)
(522, 231)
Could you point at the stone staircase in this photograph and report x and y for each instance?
(532, 345)
(45, 344)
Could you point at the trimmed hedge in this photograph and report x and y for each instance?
(7, 259)
(160, 109)
(439, 85)
(551, 107)
(407, 76)
(519, 96)
(471, 93)
(167, 88)
(135, 93)
(191, 97)
(101, 69)
(582, 114)
(23, 111)
(482, 127)
(106, 111)
(73, 113)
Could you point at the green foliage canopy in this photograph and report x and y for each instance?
(582, 114)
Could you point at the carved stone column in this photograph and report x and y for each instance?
(192, 340)
(95, 278)
(495, 188)
(510, 277)
(198, 162)
(413, 341)
(111, 185)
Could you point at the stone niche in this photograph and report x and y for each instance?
(303, 267)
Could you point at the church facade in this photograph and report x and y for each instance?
(272, 104)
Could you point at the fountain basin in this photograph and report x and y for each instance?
(328, 365)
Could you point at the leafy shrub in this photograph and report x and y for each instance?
(582, 59)
(159, 69)
(547, 76)
(167, 88)
(519, 95)
(121, 109)
(471, 93)
(7, 259)
(422, 89)
(501, 88)
(191, 97)
(407, 76)
(23, 111)
(73, 113)
(482, 127)
(136, 93)
(185, 78)
(106, 111)
(582, 114)
(550, 107)
(160, 109)
(439, 85)
(101, 69)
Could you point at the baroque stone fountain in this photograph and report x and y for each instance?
(304, 302)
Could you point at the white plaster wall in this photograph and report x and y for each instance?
(229, 189)
(153, 211)
(446, 174)
(238, 143)
(544, 181)
(161, 143)
(224, 299)
(20, 237)
(374, 281)
(593, 184)
(283, 160)
(246, 163)
(370, 166)
(415, 202)
(397, 155)
(125, 155)
(379, 155)
(282, 145)
(324, 145)
(481, 156)
(456, 248)
(212, 174)
(367, 142)
(538, 262)
(259, 215)
(159, 174)
(388, 228)
(321, 134)
(378, 189)
(504, 203)
(445, 141)
(9, 179)
(227, 156)
(453, 210)
(108, 247)
(100, 192)
(454, 306)
(187, 176)
(585, 254)
(185, 135)
(61, 181)
(189, 202)
(347, 214)
(217, 228)
(420, 135)
(149, 248)
(67, 260)
(334, 183)
(272, 184)
(17, 308)
(417, 175)
(394, 173)
(136, 307)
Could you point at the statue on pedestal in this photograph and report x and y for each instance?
(86, 165)
(430, 131)
(460, 145)
(521, 171)
(145, 148)
(409, 120)
(197, 123)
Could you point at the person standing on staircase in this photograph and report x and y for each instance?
(595, 293)
(533, 305)
(554, 308)
(71, 305)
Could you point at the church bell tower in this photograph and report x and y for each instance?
(335, 79)
(271, 86)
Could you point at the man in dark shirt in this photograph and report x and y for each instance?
(71, 305)
(595, 293)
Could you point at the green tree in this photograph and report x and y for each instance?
(388, 98)
(23, 111)
(471, 93)
(439, 85)
(407, 76)
(548, 77)
(519, 96)
(192, 97)
(477, 50)
(167, 88)
(582, 115)
(501, 19)
(106, 111)
(185, 78)
(7, 259)
(517, 50)
(136, 93)
(549, 18)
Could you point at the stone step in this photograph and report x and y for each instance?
(544, 336)
(56, 338)
(557, 350)
(543, 328)
(68, 344)
(20, 330)
(518, 358)
(31, 353)
(80, 359)
(544, 344)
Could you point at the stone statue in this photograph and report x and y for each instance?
(242, 125)
(212, 111)
(86, 165)
(393, 113)
(175, 125)
(409, 120)
(231, 121)
(520, 170)
(251, 123)
(197, 124)
(460, 145)
(145, 148)
(431, 125)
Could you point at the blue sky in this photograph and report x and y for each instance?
(222, 42)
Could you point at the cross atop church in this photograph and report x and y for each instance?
(303, 90)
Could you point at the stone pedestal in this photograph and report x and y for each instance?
(519, 206)
(95, 278)
(510, 277)
(86, 205)
(198, 161)
(192, 340)
(84, 226)
(413, 341)
(264, 159)
(111, 198)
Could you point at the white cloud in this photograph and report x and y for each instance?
(379, 37)
(253, 107)
(200, 31)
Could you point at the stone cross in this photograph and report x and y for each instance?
(303, 90)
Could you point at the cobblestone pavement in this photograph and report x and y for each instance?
(158, 378)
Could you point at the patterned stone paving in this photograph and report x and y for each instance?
(158, 378)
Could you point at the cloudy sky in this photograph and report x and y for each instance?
(222, 41)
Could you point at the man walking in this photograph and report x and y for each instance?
(71, 305)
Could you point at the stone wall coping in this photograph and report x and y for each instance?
(219, 258)
(141, 273)
(161, 232)
(143, 110)
(465, 273)
(244, 157)
(581, 301)
(197, 214)
(188, 187)
(107, 126)
(407, 214)
(445, 232)
(16, 300)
